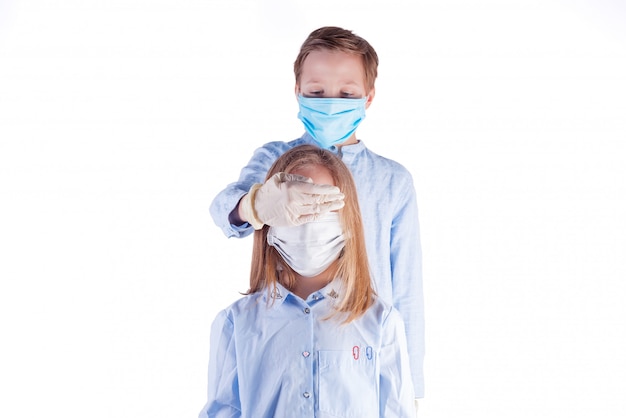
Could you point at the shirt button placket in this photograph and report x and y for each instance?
(306, 394)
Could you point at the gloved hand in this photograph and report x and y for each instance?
(416, 406)
(288, 200)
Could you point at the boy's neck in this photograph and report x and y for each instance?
(350, 141)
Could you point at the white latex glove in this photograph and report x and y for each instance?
(288, 200)
(416, 406)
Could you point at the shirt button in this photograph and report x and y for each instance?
(305, 354)
(307, 310)
(315, 297)
(306, 395)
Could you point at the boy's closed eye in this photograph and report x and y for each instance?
(320, 93)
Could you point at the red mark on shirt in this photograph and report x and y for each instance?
(356, 351)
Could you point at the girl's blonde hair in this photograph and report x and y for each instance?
(351, 268)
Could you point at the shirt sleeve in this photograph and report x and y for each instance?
(406, 273)
(223, 388)
(254, 172)
(396, 387)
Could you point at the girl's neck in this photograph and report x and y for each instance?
(307, 285)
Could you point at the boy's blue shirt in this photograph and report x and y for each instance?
(276, 355)
(390, 219)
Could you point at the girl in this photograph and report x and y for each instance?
(310, 338)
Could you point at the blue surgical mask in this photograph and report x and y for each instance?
(331, 121)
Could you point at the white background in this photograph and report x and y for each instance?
(121, 120)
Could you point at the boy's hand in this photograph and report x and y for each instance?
(288, 200)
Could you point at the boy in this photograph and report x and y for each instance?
(335, 73)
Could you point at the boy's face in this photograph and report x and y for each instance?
(333, 74)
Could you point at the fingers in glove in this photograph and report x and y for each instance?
(304, 202)
(298, 184)
(335, 205)
(315, 189)
(318, 212)
(286, 177)
(327, 198)
(308, 213)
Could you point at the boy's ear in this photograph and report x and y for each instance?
(370, 97)
(297, 90)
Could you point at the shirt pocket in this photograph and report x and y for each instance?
(348, 383)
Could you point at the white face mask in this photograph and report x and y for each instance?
(311, 247)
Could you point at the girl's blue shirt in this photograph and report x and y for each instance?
(276, 355)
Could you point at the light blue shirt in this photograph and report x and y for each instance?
(390, 219)
(280, 356)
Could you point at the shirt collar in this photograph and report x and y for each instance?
(347, 153)
(280, 294)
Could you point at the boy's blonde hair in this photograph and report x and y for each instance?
(352, 266)
(333, 38)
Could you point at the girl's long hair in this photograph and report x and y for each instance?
(351, 268)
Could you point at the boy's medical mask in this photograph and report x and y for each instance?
(331, 121)
(311, 247)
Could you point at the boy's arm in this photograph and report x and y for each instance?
(396, 389)
(406, 265)
(283, 200)
(225, 206)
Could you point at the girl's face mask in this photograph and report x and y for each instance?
(331, 121)
(310, 248)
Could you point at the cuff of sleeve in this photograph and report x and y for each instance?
(247, 207)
